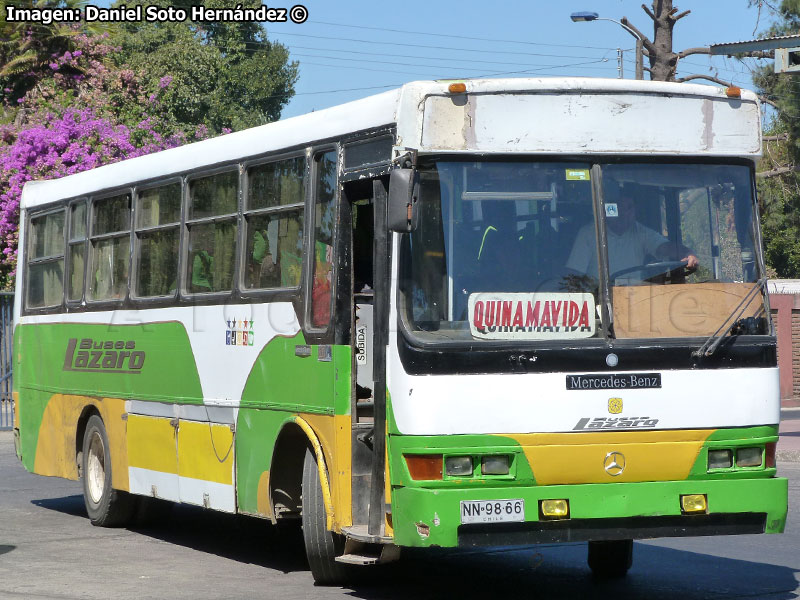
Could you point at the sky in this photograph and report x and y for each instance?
(351, 49)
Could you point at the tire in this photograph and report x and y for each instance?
(106, 506)
(610, 559)
(322, 546)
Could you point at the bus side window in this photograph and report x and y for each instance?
(110, 247)
(77, 251)
(46, 261)
(274, 223)
(158, 215)
(324, 226)
(212, 225)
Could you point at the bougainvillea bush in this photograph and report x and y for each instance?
(56, 146)
(83, 115)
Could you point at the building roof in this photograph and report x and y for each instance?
(781, 41)
(783, 286)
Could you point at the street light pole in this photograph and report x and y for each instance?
(593, 16)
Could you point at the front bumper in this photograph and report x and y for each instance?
(432, 517)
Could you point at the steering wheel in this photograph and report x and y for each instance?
(656, 268)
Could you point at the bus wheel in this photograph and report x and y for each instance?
(106, 506)
(322, 546)
(610, 559)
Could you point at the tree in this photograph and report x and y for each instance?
(222, 75)
(26, 49)
(72, 100)
(778, 177)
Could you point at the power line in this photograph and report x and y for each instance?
(371, 53)
(406, 45)
(581, 65)
(461, 37)
(434, 66)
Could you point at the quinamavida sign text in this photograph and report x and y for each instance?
(498, 316)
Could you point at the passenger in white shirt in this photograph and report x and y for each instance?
(630, 244)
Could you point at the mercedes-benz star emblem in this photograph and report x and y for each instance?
(614, 463)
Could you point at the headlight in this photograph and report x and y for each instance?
(720, 459)
(458, 466)
(494, 465)
(748, 457)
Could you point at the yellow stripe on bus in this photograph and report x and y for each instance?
(56, 445)
(205, 452)
(571, 458)
(152, 444)
(200, 451)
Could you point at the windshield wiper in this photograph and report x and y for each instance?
(715, 339)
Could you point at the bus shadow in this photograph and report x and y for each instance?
(547, 571)
(69, 505)
(560, 572)
(236, 537)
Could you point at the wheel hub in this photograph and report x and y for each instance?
(95, 468)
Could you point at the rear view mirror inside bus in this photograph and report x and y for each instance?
(402, 209)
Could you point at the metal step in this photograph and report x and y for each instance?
(358, 559)
(359, 533)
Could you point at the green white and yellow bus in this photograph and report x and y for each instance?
(455, 314)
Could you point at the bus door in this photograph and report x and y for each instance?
(362, 228)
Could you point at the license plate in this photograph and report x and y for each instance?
(492, 511)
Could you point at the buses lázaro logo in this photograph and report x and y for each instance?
(103, 356)
(239, 333)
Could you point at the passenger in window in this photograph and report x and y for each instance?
(203, 271)
(265, 250)
(630, 244)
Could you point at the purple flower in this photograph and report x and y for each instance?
(165, 81)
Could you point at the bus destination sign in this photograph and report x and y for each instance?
(614, 381)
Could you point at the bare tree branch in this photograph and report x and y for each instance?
(646, 42)
(680, 16)
(766, 100)
(706, 77)
(778, 171)
(776, 138)
(649, 12)
(689, 51)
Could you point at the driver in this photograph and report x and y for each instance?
(630, 244)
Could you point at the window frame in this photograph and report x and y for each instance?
(70, 242)
(184, 276)
(31, 216)
(133, 278)
(276, 293)
(91, 237)
(311, 225)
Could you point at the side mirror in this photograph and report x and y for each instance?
(403, 192)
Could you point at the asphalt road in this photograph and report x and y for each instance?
(48, 550)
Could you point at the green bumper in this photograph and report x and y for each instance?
(432, 517)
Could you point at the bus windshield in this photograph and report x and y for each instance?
(521, 251)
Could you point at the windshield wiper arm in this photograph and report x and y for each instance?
(715, 339)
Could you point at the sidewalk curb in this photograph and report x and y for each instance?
(788, 455)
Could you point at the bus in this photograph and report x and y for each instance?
(466, 314)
